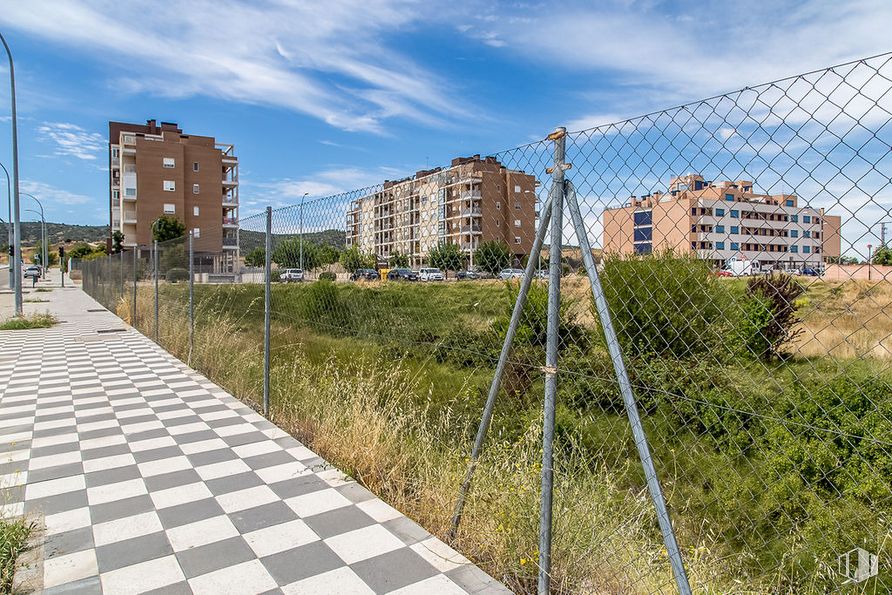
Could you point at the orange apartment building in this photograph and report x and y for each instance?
(720, 221)
(472, 201)
(157, 170)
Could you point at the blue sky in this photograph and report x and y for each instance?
(324, 97)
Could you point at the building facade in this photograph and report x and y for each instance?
(157, 170)
(720, 221)
(472, 201)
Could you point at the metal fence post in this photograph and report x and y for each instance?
(622, 376)
(135, 275)
(485, 420)
(266, 307)
(121, 265)
(551, 356)
(191, 296)
(155, 280)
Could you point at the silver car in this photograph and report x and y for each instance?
(511, 274)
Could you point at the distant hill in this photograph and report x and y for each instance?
(58, 233)
(249, 240)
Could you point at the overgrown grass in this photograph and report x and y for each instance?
(764, 481)
(30, 321)
(13, 540)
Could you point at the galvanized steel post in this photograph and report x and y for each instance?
(191, 295)
(155, 282)
(551, 355)
(622, 376)
(266, 307)
(135, 267)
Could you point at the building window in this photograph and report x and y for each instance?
(517, 206)
(169, 208)
(816, 220)
(789, 202)
(194, 166)
(643, 218)
(806, 249)
(116, 152)
(517, 189)
(195, 211)
(516, 239)
(644, 248)
(806, 234)
(735, 229)
(169, 186)
(729, 197)
(720, 245)
(196, 233)
(794, 218)
(169, 162)
(806, 219)
(735, 246)
(735, 214)
(720, 229)
(129, 191)
(794, 233)
(517, 223)
(720, 212)
(498, 205)
(643, 234)
(794, 249)
(116, 194)
(194, 188)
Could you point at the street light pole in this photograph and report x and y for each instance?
(17, 230)
(44, 258)
(302, 230)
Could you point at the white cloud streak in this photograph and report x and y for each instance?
(51, 196)
(72, 141)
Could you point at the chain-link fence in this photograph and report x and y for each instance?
(701, 295)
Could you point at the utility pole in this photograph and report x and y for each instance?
(17, 228)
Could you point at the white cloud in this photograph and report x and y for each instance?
(328, 61)
(50, 195)
(72, 141)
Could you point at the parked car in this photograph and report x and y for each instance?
(365, 275)
(724, 273)
(402, 275)
(431, 274)
(292, 275)
(511, 274)
(542, 274)
(811, 272)
(32, 271)
(467, 275)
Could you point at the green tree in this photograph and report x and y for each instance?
(398, 261)
(353, 258)
(328, 254)
(167, 227)
(448, 257)
(883, 255)
(117, 242)
(80, 251)
(256, 257)
(173, 257)
(842, 260)
(287, 254)
(492, 256)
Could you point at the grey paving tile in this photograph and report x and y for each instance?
(214, 556)
(181, 588)
(132, 551)
(195, 436)
(58, 503)
(209, 457)
(301, 562)
(147, 435)
(231, 483)
(355, 492)
(406, 529)
(260, 517)
(48, 473)
(474, 580)
(337, 521)
(379, 572)
(105, 451)
(156, 454)
(45, 451)
(118, 509)
(87, 586)
(171, 480)
(68, 542)
(100, 433)
(279, 457)
(190, 512)
(298, 486)
(246, 438)
(106, 476)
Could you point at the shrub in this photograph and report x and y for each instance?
(28, 322)
(327, 276)
(177, 274)
(665, 304)
(275, 276)
(770, 319)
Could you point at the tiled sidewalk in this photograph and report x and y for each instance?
(146, 475)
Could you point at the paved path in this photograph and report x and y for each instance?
(145, 475)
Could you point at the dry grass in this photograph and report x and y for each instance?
(851, 319)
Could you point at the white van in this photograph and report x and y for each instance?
(742, 268)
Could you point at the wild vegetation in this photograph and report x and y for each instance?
(773, 456)
(30, 321)
(13, 540)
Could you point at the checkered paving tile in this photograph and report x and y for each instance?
(145, 475)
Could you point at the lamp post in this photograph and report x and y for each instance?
(43, 259)
(11, 234)
(17, 230)
(302, 198)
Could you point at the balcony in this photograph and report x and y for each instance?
(129, 218)
(230, 221)
(472, 195)
(231, 201)
(473, 212)
(469, 229)
(230, 183)
(230, 243)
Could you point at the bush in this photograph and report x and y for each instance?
(665, 304)
(177, 274)
(327, 276)
(770, 319)
(275, 276)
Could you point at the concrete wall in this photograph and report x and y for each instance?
(874, 272)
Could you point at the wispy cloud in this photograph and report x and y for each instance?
(52, 196)
(71, 140)
(332, 62)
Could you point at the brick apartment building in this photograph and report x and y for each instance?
(718, 221)
(157, 170)
(473, 201)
